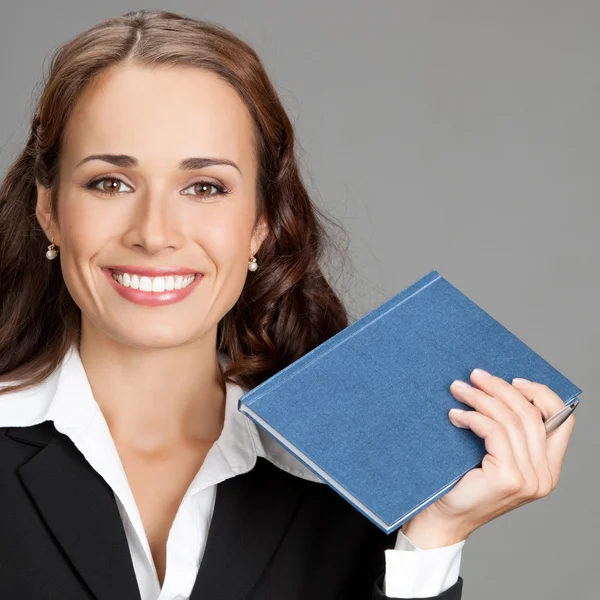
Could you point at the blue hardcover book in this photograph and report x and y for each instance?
(367, 410)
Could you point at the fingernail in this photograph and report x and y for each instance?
(462, 385)
(479, 372)
(456, 413)
(520, 381)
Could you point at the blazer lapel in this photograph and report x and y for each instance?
(251, 515)
(81, 511)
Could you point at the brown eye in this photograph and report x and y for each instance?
(200, 189)
(110, 185)
(203, 189)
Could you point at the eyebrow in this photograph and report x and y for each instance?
(188, 164)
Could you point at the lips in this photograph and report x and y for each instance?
(148, 297)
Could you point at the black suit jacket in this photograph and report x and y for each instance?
(273, 536)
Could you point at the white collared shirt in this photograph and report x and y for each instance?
(66, 399)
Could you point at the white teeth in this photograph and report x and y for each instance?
(158, 284)
(145, 284)
(153, 284)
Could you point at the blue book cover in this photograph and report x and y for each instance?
(367, 410)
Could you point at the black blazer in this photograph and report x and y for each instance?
(273, 536)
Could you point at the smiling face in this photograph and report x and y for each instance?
(137, 193)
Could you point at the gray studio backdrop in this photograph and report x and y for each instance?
(456, 136)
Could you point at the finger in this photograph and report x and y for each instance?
(540, 395)
(556, 447)
(499, 412)
(495, 437)
(549, 403)
(531, 421)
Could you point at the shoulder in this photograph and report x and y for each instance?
(18, 444)
(13, 455)
(28, 406)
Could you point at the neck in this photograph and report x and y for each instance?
(156, 399)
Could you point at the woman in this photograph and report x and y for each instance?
(161, 169)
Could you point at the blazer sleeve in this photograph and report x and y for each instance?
(452, 593)
(365, 582)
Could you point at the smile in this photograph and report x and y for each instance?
(152, 291)
(153, 284)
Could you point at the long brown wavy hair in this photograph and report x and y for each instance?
(286, 308)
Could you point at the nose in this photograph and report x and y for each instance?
(155, 224)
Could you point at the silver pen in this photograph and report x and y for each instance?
(559, 418)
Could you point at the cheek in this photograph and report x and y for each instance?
(227, 241)
(84, 232)
(84, 227)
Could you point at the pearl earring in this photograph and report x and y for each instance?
(252, 265)
(52, 251)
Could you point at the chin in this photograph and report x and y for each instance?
(154, 337)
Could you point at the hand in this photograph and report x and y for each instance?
(522, 465)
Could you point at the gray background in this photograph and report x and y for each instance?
(456, 136)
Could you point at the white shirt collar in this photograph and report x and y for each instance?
(66, 398)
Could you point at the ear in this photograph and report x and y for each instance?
(44, 214)
(261, 230)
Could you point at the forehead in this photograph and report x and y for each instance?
(160, 113)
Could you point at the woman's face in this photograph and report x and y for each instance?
(150, 201)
